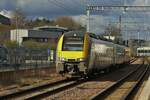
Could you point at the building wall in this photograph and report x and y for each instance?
(4, 20)
(18, 34)
(21, 35)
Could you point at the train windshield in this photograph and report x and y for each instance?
(73, 44)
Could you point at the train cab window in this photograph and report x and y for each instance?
(140, 51)
(146, 51)
(73, 44)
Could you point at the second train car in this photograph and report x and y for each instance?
(81, 54)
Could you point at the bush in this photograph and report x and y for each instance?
(11, 44)
(35, 45)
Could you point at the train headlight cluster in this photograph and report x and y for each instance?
(62, 59)
(80, 59)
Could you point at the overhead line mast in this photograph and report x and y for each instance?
(90, 8)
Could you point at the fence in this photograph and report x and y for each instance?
(26, 64)
(22, 58)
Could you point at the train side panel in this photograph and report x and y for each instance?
(102, 55)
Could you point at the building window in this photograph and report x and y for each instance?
(45, 40)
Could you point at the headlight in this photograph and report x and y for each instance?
(4, 61)
(81, 59)
(62, 59)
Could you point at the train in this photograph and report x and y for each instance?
(143, 51)
(81, 54)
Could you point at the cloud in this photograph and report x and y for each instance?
(141, 2)
(7, 4)
(75, 8)
(98, 23)
(51, 7)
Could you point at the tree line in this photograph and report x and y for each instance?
(20, 20)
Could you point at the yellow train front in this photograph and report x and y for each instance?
(72, 54)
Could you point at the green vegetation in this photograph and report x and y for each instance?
(68, 22)
(5, 28)
(35, 45)
(11, 44)
(62, 21)
(19, 20)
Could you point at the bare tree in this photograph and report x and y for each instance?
(19, 19)
(40, 22)
(68, 22)
(112, 30)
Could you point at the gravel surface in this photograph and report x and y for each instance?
(118, 93)
(90, 88)
(11, 89)
(28, 80)
(142, 86)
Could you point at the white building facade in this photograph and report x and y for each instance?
(18, 34)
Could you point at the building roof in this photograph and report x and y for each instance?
(6, 13)
(4, 20)
(43, 34)
(37, 33)
(46, 26)
(52, 28)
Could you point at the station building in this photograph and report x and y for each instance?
(43, 34)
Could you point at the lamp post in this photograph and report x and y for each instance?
(138, 38)
(16, 20)
(88, 21)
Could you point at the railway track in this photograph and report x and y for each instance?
(124, 88)
(132, 60)
(41, 90)
(92, 86)
(44, 90)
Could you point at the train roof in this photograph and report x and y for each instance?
(143, 48)
(92, 35)
(98, 37)
(74, 33)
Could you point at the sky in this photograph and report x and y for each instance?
(53, 8)
(76, 8)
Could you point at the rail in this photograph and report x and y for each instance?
(43, 90)
(29, 89)
(114, 86)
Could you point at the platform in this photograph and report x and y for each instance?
(145, 94)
